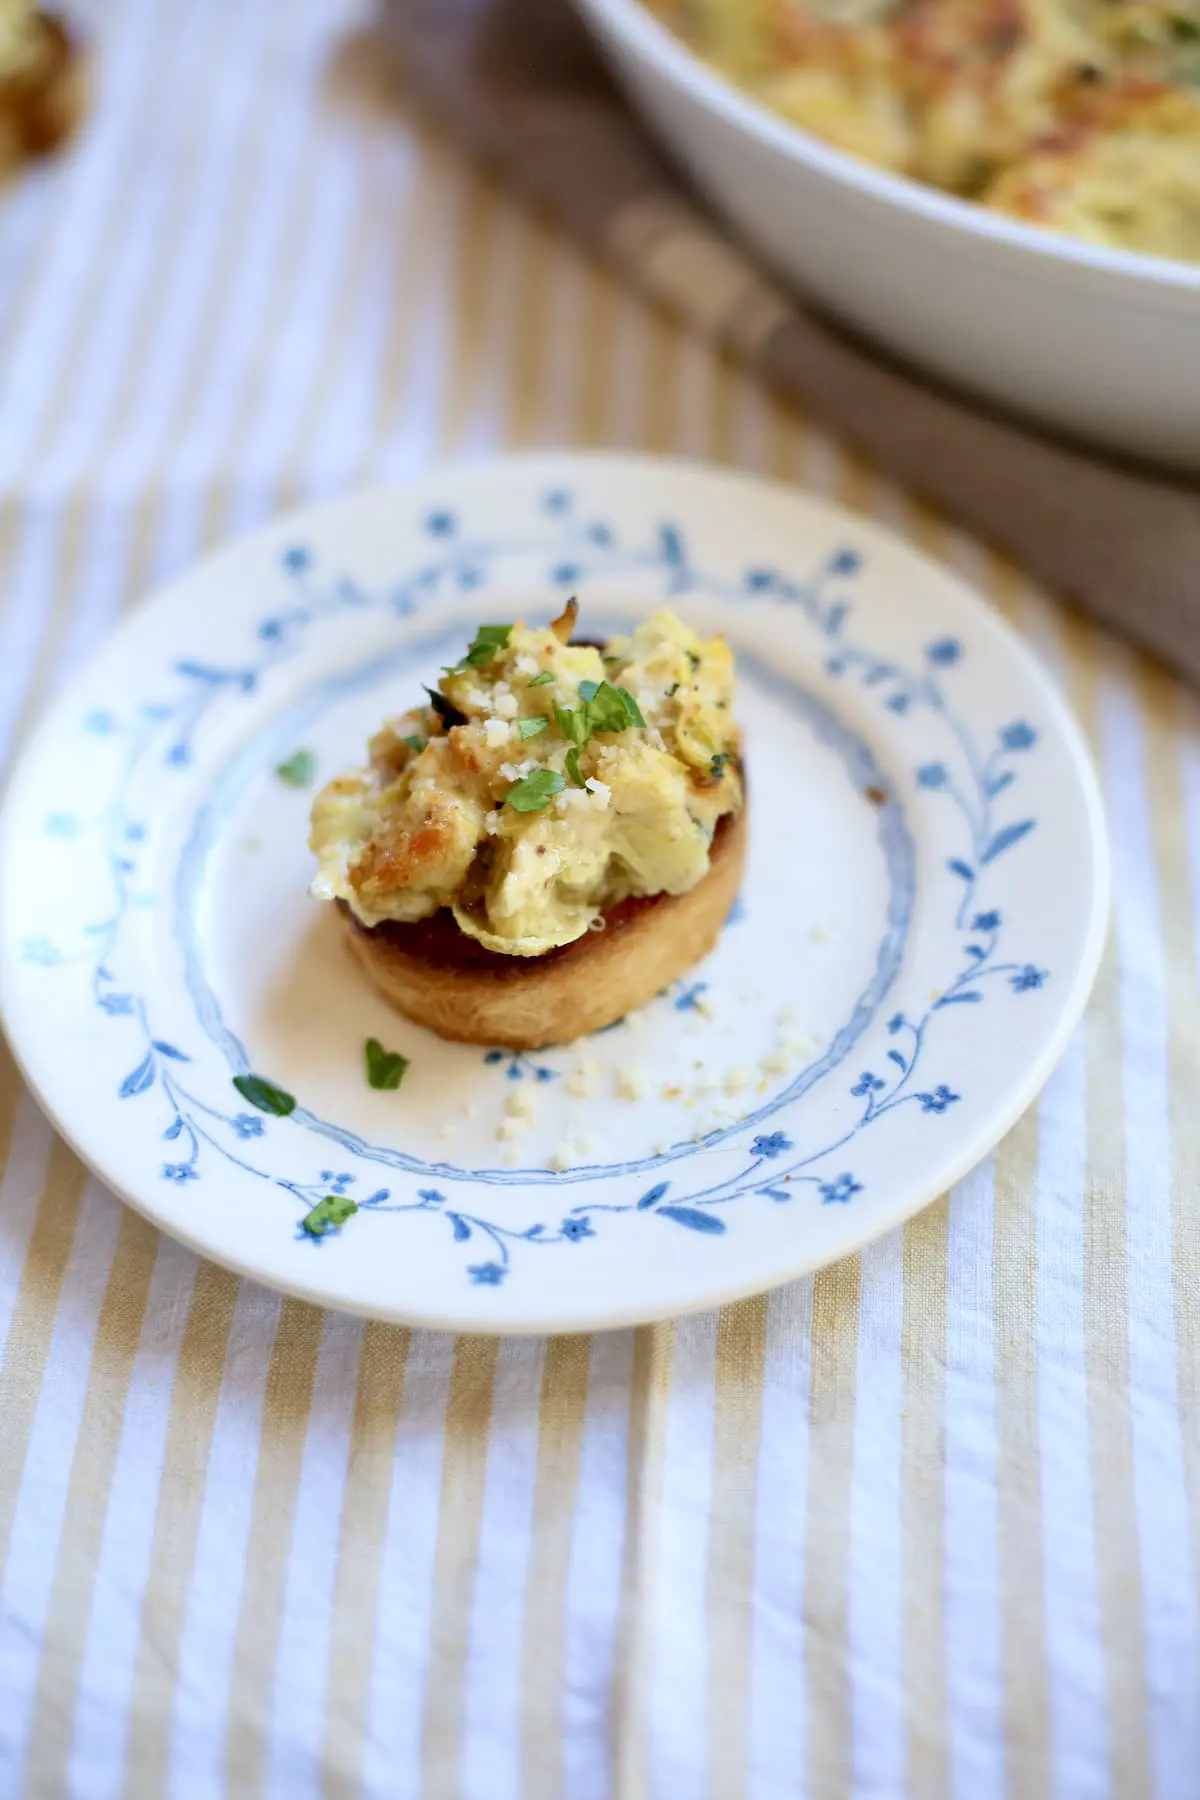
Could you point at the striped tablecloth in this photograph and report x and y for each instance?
(925, 1525)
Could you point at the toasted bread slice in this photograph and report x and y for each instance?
(437, 975)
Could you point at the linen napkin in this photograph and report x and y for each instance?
(519, 82)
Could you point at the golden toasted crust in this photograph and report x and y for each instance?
(43, 102)
(437, 975)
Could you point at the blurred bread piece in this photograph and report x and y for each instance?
(434, 973)
(42, 85)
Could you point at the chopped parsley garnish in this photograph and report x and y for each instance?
(298, 770)
(536, 791)
(717, 766)
(673, 689)
(573, 723)
(385, 1068)
(694, 660)
(490, 640)
(328, 1214)
(265, 1095)
(632, 708)
(542, 679)
(414, 743)
(605, 708)
(527, 728)
(573, 769)
(609, 708)
(445, 710)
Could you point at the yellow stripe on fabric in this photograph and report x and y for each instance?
(826, 1695)
(1106, 1320)
(12, 519)
(724, 394)
(286, 1407)
(119, 1330)
(656, 428)
(1025, 1669)
(1019, 1534)
(787, 443)
(472, 295)
(556, 1487)
(379, 1397)
(464, 1466)
(31, 1330)
(526, 356)
(922, 1496)
(649, 1392)
(11, 1089)
(1170, 726)
(194, 1400)
(594, 423)
(741, 1361)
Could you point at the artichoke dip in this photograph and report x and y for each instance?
(544, 783)
(1079, 115)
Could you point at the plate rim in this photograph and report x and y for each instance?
(556, 464)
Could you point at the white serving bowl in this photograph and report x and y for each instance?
(1103, 345)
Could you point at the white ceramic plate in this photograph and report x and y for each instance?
(918, 933)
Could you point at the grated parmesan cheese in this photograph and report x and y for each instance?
(580, 1082)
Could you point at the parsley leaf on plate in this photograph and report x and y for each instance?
(542, 679)
(298, 770)
(385, 1068)
(573, 769)
(529, 728)
(265, 1095)
(328, 1214)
